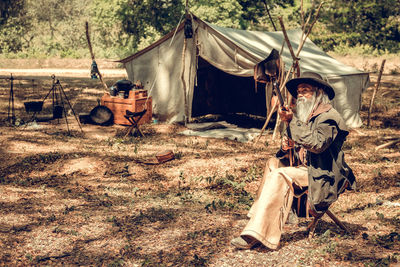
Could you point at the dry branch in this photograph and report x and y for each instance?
(388, 144)
(303, 40)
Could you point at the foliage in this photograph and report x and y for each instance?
(108, 37)
(224, 13)
(13, 25)
(354, 22)
(61, 25)
(10, 8)
(141, 19)
(48, 28)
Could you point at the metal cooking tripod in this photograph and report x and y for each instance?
(58, 99)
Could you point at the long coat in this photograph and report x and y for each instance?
(323, 137)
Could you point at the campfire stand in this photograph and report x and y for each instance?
(58, 101)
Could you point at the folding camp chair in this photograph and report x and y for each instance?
(301, 196)
(134, 118)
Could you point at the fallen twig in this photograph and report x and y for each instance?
(388, 144)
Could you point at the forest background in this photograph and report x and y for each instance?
(55, 28)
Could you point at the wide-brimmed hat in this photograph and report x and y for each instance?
(313, 79)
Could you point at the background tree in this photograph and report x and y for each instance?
(10, 8)
(148, 20)
(369, 22)
(13, 25)
(59, 26)
(107, 34)
(48, 28)
(255, 13)
(144, 21)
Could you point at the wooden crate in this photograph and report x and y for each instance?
(134, 103)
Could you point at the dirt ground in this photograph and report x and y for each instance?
(94, 197)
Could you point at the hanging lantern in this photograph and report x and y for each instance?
(94, 70)
(188, 29)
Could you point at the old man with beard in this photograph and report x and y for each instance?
(318, 132)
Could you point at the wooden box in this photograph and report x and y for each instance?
(134, 103)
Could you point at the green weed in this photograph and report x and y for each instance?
(51, 218)
(117, 263)
(68, 209)
(178, 155)
(253, 173)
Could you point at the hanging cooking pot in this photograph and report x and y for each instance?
(58, 112)
(33, 106)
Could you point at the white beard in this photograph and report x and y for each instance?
(304, 107)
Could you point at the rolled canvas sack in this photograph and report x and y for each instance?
(259, 72)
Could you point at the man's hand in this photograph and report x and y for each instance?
(285, 113)
(287, 143)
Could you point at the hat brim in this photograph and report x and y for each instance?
(293, 83)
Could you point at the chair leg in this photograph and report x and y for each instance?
(311, 227)
(134, 125)
(336, 220)
(129, 131)
(140, 132)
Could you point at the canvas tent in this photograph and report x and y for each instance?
(214, 73)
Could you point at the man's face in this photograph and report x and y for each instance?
(305, 90)
(305, 101)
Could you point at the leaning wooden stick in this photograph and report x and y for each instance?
(289, 45)
(269, 15)
(303, 40)
(375, 90)
(266, 122)
(302, 15)
(388, 144)
(92, 54)
(295, 67)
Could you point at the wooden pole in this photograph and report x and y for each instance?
(303, 40)
(183, 79)
(183, 69)
(92, 55)
(289, 45)
(302, 15)
(269, 15)
(295, 66)
(375, 90)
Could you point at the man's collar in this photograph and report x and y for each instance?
(321, 108)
